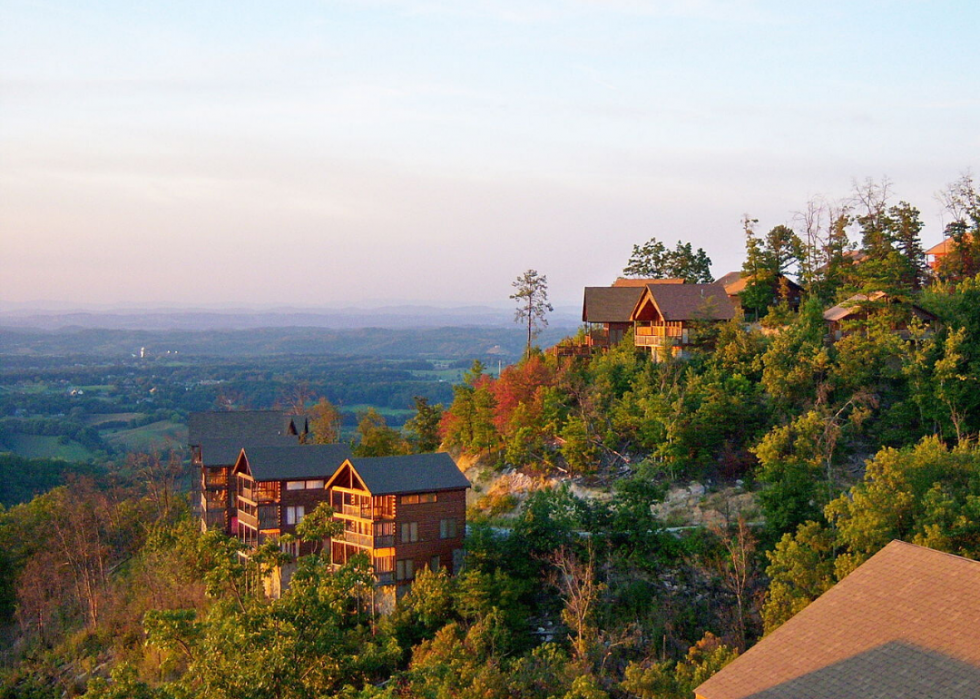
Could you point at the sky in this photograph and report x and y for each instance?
(312, 153)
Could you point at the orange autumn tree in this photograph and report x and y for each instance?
(519, 413)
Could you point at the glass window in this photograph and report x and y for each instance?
(314, 485)
(434, 564)
(427, 497)
(405, 570)
(295, 485)
(409, 500)
(410, 532)
(447, 528)
(294, 515)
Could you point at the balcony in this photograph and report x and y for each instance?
(361, 511)
(658, 335)
(366, 540)
(215, 481)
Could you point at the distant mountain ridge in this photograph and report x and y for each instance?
(338, 319)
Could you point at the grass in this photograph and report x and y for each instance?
(384, 412)
(98, 419)
(159, 435)
(34, 446)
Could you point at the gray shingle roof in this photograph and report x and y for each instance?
(236, 424)
(417, 473)
(904, 624)
(692, 301)
(224, 452)
(609, 304)
(283, 463)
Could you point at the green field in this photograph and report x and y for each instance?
(33, 446)
(401, 413)
(156, 436)
(99, 419)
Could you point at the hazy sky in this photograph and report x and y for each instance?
(329, 153)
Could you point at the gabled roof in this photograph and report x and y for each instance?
(852, 306)
(729, 279)
(635, 282)
(945, 247)
(904, 624)
(236, 424)
(224, 452)
(677, 302)
(735, 282)
(416, 473)
(609, 304)
(283, 463)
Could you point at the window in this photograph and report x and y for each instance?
(295, 485)
(427, 497)
(314, 485)
(409, 500)
(410, 532)
(447, 528)
(294, 515)
(434, 564)
(405, 570)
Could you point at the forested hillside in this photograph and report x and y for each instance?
(574, 587)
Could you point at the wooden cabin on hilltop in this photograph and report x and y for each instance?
(667, 316)
(859, 307)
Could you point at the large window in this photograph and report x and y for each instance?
(416, 499)
(410, 532)
(405, 570)
(295, 514)
(447, 529)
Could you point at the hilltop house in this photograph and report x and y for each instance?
(938, 252)
(216, 439)
(906, 623)
(404, 512)
(859, 307)
(667, 316)
(606, 312)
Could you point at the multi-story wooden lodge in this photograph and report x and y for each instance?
(216, 440)
(404, 512)
(276, 486)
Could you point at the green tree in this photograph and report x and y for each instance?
(424, 425)
(531, 296)
(653, 260)
(767, 260)
(325, 421)
(801, 568)
(377, 439)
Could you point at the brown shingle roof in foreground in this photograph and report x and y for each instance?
(904, 624)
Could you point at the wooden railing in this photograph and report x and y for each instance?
(367, 541)
(215, 481)
(657, 335)
(362, 511)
